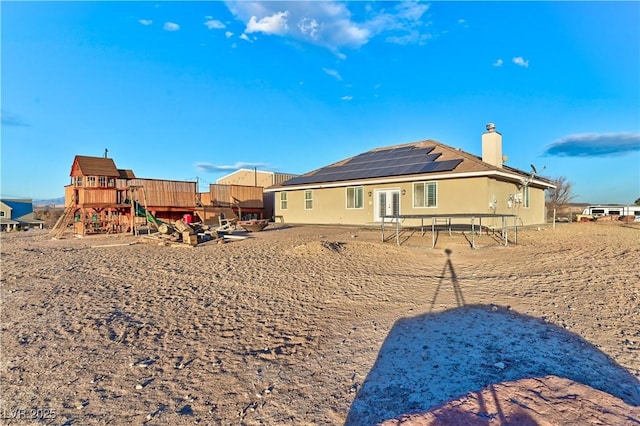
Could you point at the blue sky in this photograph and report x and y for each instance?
(196, 89)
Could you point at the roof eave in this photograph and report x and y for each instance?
(409, 178)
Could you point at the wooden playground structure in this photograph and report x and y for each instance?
(102, 199)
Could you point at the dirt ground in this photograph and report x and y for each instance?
(309, 325)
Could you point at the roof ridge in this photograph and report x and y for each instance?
(472, 157)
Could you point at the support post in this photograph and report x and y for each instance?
(473, 233)
(433, 232)
(133, 212)
(505, 231)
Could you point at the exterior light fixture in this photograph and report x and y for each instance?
(404, 192)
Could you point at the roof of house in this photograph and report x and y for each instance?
(126, 174)
(19, 207)
(422, 158)
(96, 166)
(6, 221)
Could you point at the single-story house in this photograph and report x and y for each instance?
(17, 213)
(420, 178)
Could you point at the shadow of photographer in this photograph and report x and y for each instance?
(457, 291)
(431, 358)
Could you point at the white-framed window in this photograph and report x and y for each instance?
(91, 181)
(355, 197)
(425, 194)
(525, 197)
(112, 183)
(308, 199)
(1, 213)
(283, 201)
(102, 181)
(77, 181)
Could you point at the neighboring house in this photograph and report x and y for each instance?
(421, 178)
(17, 213)
(260, 178)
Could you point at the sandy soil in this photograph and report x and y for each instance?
(309, 325)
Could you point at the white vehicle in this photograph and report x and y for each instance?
(594, 212)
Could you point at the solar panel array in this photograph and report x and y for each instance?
(405, 160)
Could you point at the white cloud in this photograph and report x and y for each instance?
(213, 24)
(171, 26)
(333, 73)
(245, 37)
(411, 10)
(309, 27)
(519, 60)
(228, 34)
(274, 24)
(346, 98)
(498, 63)
(145, 22)
(212, 168)
(403, 24)
(331, 24)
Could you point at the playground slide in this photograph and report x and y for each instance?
(141, 212)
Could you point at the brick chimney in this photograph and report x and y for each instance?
(492, 146)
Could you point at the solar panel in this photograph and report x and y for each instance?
(387, 162)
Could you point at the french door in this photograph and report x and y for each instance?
(387, 203)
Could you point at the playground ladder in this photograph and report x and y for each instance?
(63, 222)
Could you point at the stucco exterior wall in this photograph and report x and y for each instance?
(248, 177)
(468, 195)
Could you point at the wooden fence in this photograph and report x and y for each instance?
(235, 196)
(166, 193)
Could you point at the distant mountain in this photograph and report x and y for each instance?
(49, 202)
